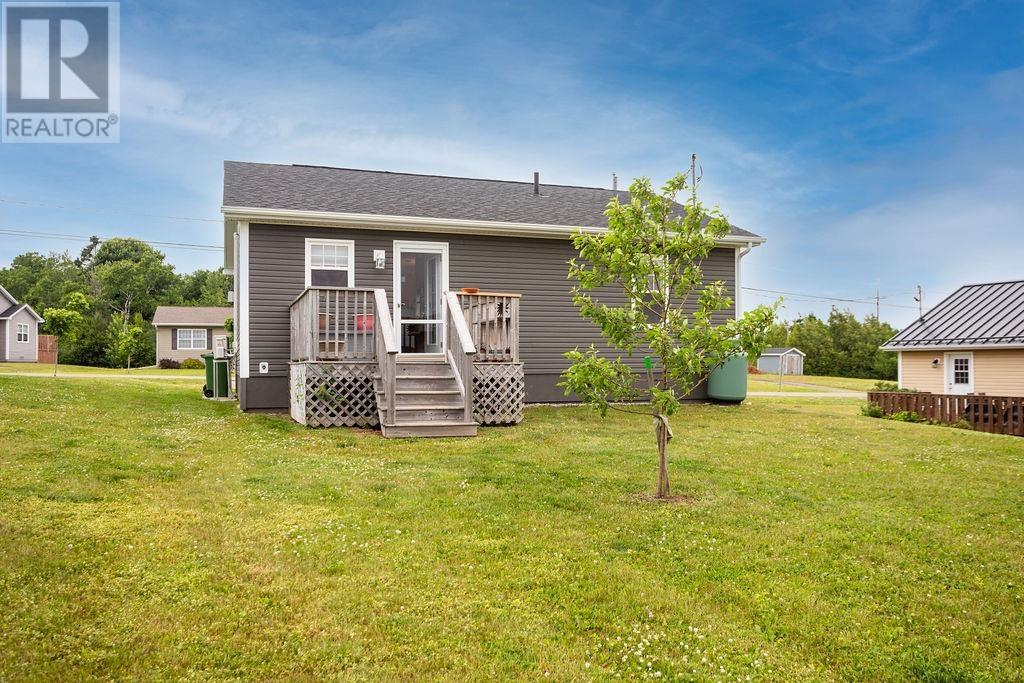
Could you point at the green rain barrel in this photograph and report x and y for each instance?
(728, 382)
(208, 362)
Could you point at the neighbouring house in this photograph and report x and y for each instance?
(19, 330)
(791, 361)
(355, 297)
(187, 331)
(972, 342)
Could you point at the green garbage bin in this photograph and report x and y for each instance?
(728, 382)
(216, 376)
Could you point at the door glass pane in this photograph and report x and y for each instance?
(421, 286)
(421, 338)
(961, 371)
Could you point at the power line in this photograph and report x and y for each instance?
(111, 209)
(819, 298)
(82, 238)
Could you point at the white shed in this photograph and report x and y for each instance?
(791, 360)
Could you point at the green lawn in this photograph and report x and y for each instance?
(804, 383)
(22, 368)
(147, 533)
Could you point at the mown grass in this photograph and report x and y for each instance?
(145, 533)
(62, 369)
(805, 383)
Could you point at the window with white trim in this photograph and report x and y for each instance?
(330, 263)
(23, 333)
(191, 338)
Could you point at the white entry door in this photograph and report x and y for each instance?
(959, 373)
(420, 280)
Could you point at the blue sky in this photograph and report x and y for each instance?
(873, 144)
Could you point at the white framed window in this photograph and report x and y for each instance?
(23, 333)
(191, 338)
(330, 263)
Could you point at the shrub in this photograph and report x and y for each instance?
(872, 410)
(906, 416)
(962, 424)
(168, 364)
(882, 385)
(192, 364)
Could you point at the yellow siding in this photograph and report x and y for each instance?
(999, 373)
(996, 372)
(918, 373)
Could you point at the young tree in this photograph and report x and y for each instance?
(63, 322)
(126, 339)
(650, 258)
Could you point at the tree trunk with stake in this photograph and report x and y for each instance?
(662, 433)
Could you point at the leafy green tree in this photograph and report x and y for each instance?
(811, 335)
(651, 255)
(63, 322)
(42, 281)
(205, 288)
(135, 283)
(127, 340)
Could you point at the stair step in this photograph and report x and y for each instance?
(436, 428)
(427, 392)
(428, 406)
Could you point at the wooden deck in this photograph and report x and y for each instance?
(346, 369)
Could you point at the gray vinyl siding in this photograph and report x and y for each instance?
(536, 268)
(22, 351)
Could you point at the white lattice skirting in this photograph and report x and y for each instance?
(333, 394)
(499, 390)
(340, 394)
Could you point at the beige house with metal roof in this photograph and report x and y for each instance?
(187, 331)
(972, 342)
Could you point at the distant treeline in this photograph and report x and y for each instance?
(123, 280)
(841, 347)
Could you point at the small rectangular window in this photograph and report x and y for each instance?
(23, 333)
(330, 263)
(189, 339)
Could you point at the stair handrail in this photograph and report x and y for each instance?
(386, 350)
(461, 350)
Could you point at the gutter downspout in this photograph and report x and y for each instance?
(740, 253)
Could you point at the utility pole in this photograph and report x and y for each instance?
(878, 304)
(920, 302)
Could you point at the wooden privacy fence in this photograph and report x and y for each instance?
(47, 348)
(994, 414)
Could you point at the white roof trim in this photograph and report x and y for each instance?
(786, 352)
(425, 224)
(950, 347)
(23, 307)
(8, 294)
(190, 324)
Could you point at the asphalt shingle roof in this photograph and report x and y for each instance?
(346, 190)
(11, 310)
(210, 316)
(989, 314)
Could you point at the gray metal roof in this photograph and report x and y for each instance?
(207, 316)
(988, 314)
(348, 190)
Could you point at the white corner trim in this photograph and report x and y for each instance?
(899, 369)
(310, 241)
(426, 224)
(242, 325)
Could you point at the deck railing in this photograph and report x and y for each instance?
(995, 414)
(493, 321)
(386, 350)
(461, 351)
(333, 323)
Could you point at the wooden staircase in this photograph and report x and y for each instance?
(428, 401)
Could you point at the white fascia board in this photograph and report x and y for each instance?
(954, 347)
(425, 224)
